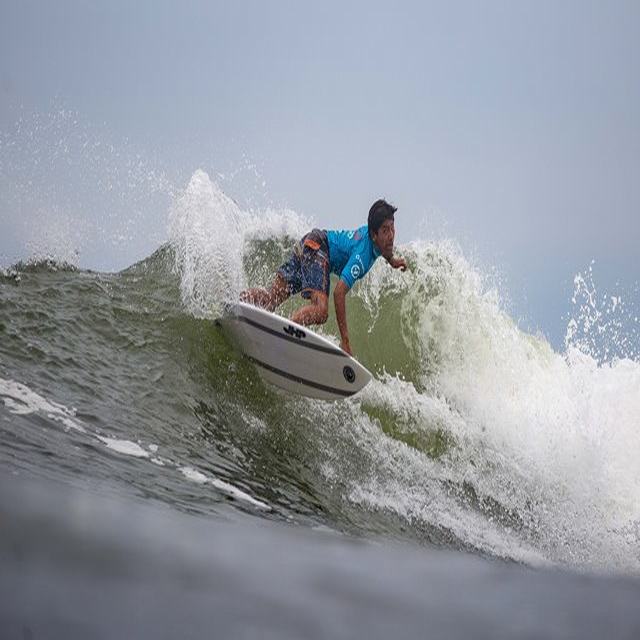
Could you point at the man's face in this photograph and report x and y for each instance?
(384, 238)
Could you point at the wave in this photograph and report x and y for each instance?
(472, 425)
(36, 264)
(474, 434)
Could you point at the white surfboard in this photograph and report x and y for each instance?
(293, 357)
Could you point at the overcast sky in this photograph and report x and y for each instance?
(513, 127)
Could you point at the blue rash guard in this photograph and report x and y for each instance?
(351, 253)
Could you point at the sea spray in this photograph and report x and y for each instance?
(209, 233)
(602, 325)
(72, 191)
(205, 231)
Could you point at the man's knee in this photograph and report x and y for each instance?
(322, 304)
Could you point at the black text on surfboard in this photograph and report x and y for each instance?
(295, 333)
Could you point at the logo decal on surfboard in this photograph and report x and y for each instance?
(294, 333)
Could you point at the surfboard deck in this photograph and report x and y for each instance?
(291, 356)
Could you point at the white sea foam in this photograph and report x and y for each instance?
(21, 400)
(126, 447)
(200, 478)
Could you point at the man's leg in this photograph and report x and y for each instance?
(316, 312)
(315, 282)
(268, 299)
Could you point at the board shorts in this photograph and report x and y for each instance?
(307, 269)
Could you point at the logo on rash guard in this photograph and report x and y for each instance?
(355, 269)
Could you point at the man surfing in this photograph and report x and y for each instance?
(348, 254)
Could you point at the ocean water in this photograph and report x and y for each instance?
(477, 447)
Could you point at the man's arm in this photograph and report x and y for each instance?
(341, 314)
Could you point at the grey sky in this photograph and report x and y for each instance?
(516, 125)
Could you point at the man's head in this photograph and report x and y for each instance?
(381, 226)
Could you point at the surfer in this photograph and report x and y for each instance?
(348, 254)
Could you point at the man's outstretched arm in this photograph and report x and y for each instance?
(341, 314)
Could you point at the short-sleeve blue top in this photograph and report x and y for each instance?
(351, 253)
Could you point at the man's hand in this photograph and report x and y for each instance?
(398, 263)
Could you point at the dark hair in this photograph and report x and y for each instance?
(380, 211)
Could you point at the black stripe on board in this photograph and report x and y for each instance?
(291, 376)
(316, 347)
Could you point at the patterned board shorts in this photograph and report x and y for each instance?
(307, 269)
